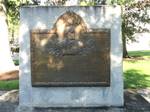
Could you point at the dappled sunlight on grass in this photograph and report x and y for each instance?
(136, 79)
(140, 65)
(137, 70)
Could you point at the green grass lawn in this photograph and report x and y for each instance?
(9, 85)
(140, 53)
(137, 71)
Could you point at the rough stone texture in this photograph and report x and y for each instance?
(95, 17)
(9, 101)
(134, 102)
(9, 96)
(145, 93)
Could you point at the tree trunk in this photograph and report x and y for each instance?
(125, 53)
(6, 63)
(12, 33)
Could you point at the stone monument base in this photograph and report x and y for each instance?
(95, 17)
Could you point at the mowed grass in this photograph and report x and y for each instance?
(137, 70)
(140, 53)
(9, 85)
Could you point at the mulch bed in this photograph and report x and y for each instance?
(9, 75)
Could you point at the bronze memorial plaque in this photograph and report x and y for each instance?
(71, 58)
(83, 62)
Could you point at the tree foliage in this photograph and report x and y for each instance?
(134, 15)
(135, 18)
(13, 16)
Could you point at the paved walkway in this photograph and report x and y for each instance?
(135, 101)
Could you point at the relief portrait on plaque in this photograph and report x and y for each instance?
(70, 54)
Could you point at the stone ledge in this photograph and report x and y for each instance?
(134, 102)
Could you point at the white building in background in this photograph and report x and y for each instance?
(143, 42)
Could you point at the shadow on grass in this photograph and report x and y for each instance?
(135, 79)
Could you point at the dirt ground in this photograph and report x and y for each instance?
(10, 75)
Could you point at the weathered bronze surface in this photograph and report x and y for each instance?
(72, 62)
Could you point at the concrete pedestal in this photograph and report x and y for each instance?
(33, 17)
